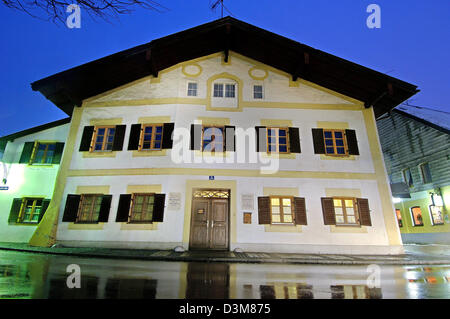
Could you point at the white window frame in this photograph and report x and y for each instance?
(187, 88)
(224, 84)
(262, 92)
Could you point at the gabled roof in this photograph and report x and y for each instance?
(437, 119)
(69, 88)
(46, 126)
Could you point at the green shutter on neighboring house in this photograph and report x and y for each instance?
(15, 210)
(26, 153)
(45, 204)
(59, 148)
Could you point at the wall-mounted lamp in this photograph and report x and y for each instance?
(396, 200)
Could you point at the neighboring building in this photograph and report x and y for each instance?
(122, 185)
(29, 164)
(416, 146)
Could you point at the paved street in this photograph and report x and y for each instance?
(30, 275)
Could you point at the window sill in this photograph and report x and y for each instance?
(85, 226)
(149, 153)
(213, 154)
(283, 228)
(23, 224)
(40, 165)
(99, 154)
(338, 157)
(138, 226)
(280, 155)
(348, 229)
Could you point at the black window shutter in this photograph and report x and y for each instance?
(59, 148)
(104, 209)
(352, 142)
(264, 215)
(135, 136)
(119, 136)
(123, 209)
(86, 139)
(15, 210)
(45, 204)
(329, 217)
(167, 135)
(230, 138)
(294, 140)
(319, 145)
(261, 138)
(364, 211)
(300, 211)
(158, 207)
(26, 152)
(196, 137)
(71, 209)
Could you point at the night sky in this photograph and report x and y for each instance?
(413, 43)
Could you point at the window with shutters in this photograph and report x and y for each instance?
(43, 153)
(335, 142)
(142, 208)
(103, 138)
(417, 217)
(426, 173)
(399, 217)
(345, 211)
(151, 137)
(213, 139)
(31, 210)
(407, 177)
(89, 208)
(277, 140)
(281, 210)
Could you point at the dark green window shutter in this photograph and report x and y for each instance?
(167, 135)
(261, 138)
(45, 204)
(329, 217)
(158, 207)
(119, 136)
(230, 138)
(104, 208)
(319, 145)
(86, 139)
(196, 137)
(264, 214)
(364, 211)
(26, 153)
(15, 210)
(294, 140)
(59, 148)
(135, 136)
(71, 209)
(300, 211)
(352, 142)
(123, 209)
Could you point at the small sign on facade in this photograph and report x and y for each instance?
(247, 218)
(174, 201)
(211, 178)
(247, 201)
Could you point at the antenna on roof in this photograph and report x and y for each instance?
(213, 4)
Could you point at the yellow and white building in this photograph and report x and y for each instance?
(124, 183)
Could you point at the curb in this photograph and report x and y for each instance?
(295, 261)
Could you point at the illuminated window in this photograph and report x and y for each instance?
(213, 139)
(277, 140)
(104, 138)
(281, 210)
(192, 89)
(142, 208)
(417, 218)
(426, 173)
(257, 91)
(436, 215)
(44, 153)
(31, 210)
(151, 137)
(89, 208)
(407, 177)
(399, 217)
(345, 211)
(335, 143)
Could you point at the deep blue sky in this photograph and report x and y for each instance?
(412, 44)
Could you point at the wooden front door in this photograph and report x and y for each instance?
(209, 224)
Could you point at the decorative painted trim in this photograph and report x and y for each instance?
(191, 75)
(224, 75)
(283, 228)
(74, 226)
(258, 68)
(102, 189)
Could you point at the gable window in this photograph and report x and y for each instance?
(31, 210)
(334, 142)
(399, 217)
(89, 208)
(257, 91)
(281, 210)
(142, 208)
(151, 138)
(426, 173)
(436, 215)
(218, 89)
(44, 153)
(192, 89)
(344, 209)
(417, 218)
(230, 90)
(213, 139)
(277, 140)
(41, 153)
(104, 138)
(407, 177)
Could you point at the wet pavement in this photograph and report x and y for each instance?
(30, 275)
